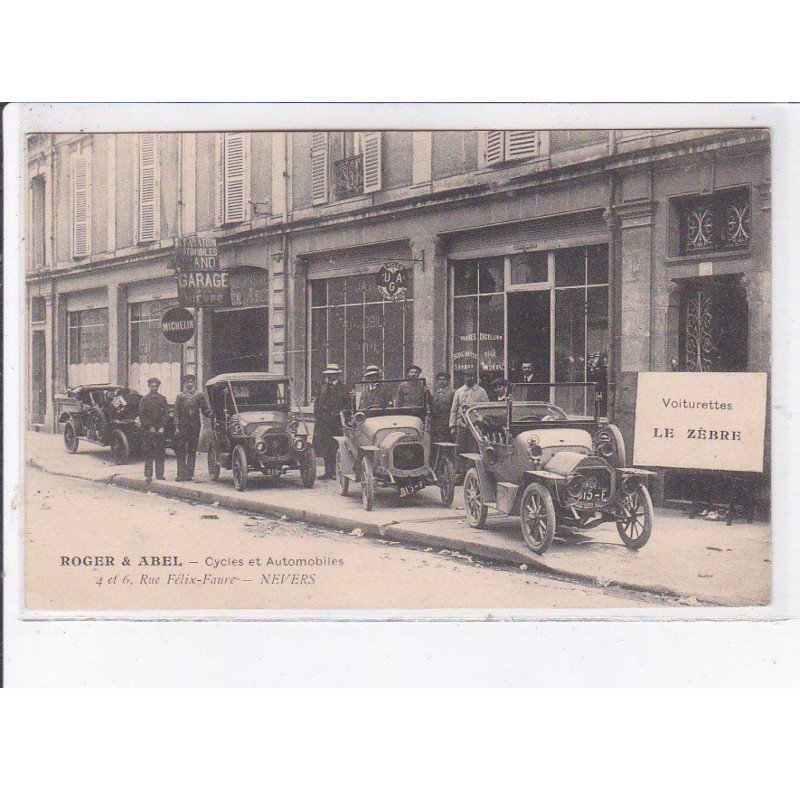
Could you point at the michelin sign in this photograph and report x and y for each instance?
(701, 420)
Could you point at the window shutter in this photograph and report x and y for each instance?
(81, 205)
(319, 167)
(522, 144)
(149, 209)
(371, 150)
(219, 209)
(237, 167)
(494, 147)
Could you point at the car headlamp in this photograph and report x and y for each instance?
(629, 485)
(604, 444)
(299, 445)
(534, 448)
(236, 429)
(260, 446)
(576, 485)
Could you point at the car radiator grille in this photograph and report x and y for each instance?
(408, 455)
(276, 445)
(601, 478)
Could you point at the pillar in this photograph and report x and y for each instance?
(430, 304)
(117, 333)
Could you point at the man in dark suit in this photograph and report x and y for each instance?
(332, 399)
(153, 415)
(189, 405)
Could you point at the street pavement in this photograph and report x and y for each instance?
(696, 560)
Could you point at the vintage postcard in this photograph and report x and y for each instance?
(363, 368)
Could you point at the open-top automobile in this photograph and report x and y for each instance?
(386, 442)
(107, 414)
(545, 456)
(255, 429)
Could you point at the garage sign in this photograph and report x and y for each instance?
(701, 420)
(204, 289)
(392, 283)
(178, 325)
(194, 253)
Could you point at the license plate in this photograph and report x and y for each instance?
(595, 496)
(273, 472)
(410, 488)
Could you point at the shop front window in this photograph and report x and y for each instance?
(353, 326)
(87, 346)
(151, 353)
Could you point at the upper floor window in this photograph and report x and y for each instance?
(149, 191)
(38, 231)
(502, 146)
(233, 178)
(81, 203)
(345, 164)
(720, 221)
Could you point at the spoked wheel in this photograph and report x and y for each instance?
(70, 438)
(446, 475)
(308, 467)
(367, 485)
(120, 448)
(213, 462)
(344, 481)
(473, 500)
(239, 465)
(637, 508)
(537, 518)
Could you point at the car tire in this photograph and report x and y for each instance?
(308, 467)
(214, 468)
(71, 440)
(447, 481)
(367, 485)
(120, 448)
(343, 480)
(636, 529)
(474, 506)
(239, 467)
(537, 518)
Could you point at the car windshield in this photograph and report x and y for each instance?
(548, 402)
(383, 395)
(258, 395)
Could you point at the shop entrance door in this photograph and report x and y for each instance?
(529, 334)
(240, 340)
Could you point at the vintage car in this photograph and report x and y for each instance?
(254, 428)
(108, 415)
(386, 442)
(553, 467)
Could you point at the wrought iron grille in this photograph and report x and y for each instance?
(348, 177)
(719, 222)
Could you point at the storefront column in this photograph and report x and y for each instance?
(430, 304)
(49, 413)
(277, 313)
(117, 333)
(296, 331)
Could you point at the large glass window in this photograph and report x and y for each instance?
(353, 326)
(151, 353)
(87, 346)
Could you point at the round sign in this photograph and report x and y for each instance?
(392, 281)
(178, 324)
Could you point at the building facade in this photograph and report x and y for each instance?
(592, 254)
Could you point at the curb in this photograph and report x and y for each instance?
(395, 531)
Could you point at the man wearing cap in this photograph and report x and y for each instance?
(189, 404)
(332, 399)
(153, 415)
(441, 403)
(466, 396)
(411, 393)
(376, 395)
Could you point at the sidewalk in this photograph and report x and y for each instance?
(697, 560)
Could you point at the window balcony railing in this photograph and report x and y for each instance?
(348, 177)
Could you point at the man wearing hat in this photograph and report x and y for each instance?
(189, 404)
(153, 415)
(376, 395)
(441, 403)
(410, 393)
(332, 399)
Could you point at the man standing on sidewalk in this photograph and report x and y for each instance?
(189, 404)
(441, 403)
(465, 397)
(333, 398)
(153, 415)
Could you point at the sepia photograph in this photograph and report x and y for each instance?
(442, 370)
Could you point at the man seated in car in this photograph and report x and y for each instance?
(376, 395)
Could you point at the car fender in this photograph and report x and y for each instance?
(488, 483)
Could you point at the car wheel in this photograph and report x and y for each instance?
(537, 518)
(637, 508)
(213, 462)
(308, 467)
(120, 447)
(239, 466)
(447, 481)
(367, 485)
(473, 500)
(70, 438)
(344, 481)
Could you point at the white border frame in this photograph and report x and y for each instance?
(27, 642)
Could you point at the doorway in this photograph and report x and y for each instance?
(38, 378)
(240, 340)
(529, 334)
